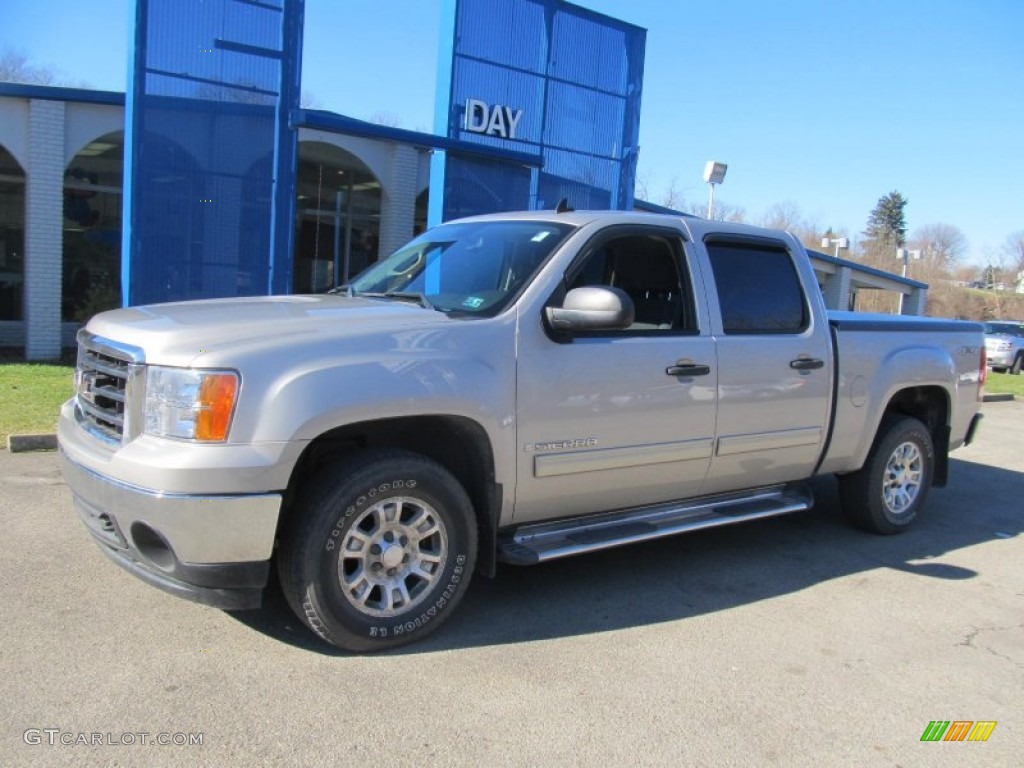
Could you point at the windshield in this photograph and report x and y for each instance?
(1011, 329)
(475, 268)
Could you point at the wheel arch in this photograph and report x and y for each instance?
(457, 443)
(931, 406)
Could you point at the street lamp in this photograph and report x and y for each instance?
(905, 256)
(841, 243)
(714, 173)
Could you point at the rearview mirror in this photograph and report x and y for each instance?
(593, 308)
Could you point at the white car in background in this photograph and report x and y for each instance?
(1004, 345)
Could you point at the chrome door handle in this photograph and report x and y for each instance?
(688, 369)
(806, 364)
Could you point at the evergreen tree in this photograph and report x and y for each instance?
(887, 225)
(989, 277)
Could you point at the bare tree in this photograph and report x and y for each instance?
(1013, 249)
(670, 197)
(673, 197)
(942, 246)
(15, 68)
(389, 119)
(723, 211)
(785, 215)
(309, 100)
(788, 216)
(642, 184)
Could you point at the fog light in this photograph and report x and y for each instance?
(152, 546)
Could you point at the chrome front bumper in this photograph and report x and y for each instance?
(213, 549)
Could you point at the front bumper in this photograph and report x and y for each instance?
(151, 533)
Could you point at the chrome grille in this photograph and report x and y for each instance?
(104, 380)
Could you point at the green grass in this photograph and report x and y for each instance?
(1000, 383)
(30, 397)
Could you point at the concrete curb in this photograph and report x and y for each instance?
(23, 443)
(1000, 397)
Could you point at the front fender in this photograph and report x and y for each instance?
(461, 369)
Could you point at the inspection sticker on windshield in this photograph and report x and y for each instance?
(473, 302)
(540, 237)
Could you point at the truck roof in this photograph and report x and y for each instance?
(696, 225)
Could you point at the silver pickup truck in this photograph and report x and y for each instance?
(514, 387)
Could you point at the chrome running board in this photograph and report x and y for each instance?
(535, 543)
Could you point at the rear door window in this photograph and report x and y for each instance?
(759, 291)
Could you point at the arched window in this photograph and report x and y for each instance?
(92, 229)
(12, 236)
(338, 207)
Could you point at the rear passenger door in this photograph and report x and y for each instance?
(774, 364)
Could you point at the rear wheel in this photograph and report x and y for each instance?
(1017, 361)
(887, 493)
(380, 550)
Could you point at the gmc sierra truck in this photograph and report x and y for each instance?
(515, 388)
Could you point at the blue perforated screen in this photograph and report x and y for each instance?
(547, 77)
(209, 165)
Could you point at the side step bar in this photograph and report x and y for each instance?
(535, 543)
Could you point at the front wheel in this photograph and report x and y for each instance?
(1017, 361)
(887, 493)
(380, 550)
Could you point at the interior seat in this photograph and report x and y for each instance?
(648, 273)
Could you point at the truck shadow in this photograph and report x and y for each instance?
(705, 572)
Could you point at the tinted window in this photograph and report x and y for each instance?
(758, 289)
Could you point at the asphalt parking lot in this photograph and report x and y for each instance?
(796, 641)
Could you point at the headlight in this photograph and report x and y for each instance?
(189, 404)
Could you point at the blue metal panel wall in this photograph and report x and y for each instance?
(210, 159)
(577, 78)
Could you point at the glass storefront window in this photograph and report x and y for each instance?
(338, 232)
(92, 229)
(12, 236)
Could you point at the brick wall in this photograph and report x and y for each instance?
(44, 219)
(398, 206)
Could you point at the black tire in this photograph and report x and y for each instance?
(379, 551)
(887, 493)
(1015, 368)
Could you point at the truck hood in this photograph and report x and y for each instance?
(182, 333)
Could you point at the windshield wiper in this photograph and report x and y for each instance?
(416, 296)
(345, 289)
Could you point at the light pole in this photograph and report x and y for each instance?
(714, 173)
(841, 243)
(905, 256)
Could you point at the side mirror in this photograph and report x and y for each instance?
(593, 308)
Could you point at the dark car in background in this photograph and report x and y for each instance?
(1004, 345)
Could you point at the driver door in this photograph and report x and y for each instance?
(603, 422)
